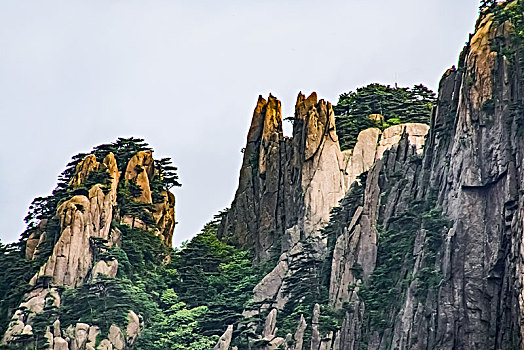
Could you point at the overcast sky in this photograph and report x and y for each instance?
(185, 76)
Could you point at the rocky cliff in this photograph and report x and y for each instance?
(424, 250)
(289, 186)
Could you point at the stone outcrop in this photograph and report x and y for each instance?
(297, 342)
(81, 217)
(84, 223)
(361, 158)
(133, 327)
(140, 169)
(164, 216)
(323, 178)
(225, 339)
(83, 169)
(257, 200)
(415, 133)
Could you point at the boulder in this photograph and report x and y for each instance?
(107, 268)
(133, 327)
(80, 339)
(225, 339)
(116, 337)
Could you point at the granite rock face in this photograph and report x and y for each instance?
(480, 190)
(287, 189)
(140, 169)
(473, 166)
(258, 200)
(85, 219)
(288, 183)
(469, 173)
(81, 217)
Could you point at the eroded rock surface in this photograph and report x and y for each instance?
(85, 223)
(469, 171)
(81, 217)
(287, 189)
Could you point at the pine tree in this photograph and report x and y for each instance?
(484, 4)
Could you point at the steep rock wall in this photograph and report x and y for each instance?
(459, 284)
(428, 254)
(287, 189)
(476, 165)
(286, 183)
(288, 186)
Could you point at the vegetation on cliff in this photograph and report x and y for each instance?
(15, 272)
(185, 297)
(383, 293)
(380, 106)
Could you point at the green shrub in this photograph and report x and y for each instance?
(396, 105)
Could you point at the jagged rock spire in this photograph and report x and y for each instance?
(281, 178)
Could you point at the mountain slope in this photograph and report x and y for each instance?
(407, 237)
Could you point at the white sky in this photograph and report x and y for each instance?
(185, 75)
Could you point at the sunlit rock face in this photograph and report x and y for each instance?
(468, 169)
(83, 219)
(293, 183)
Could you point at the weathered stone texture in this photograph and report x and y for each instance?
(472, 166)
(285, 197)
(85, 216)
(141, 170)
(225, 339)
(81, 217)
(285, 182)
